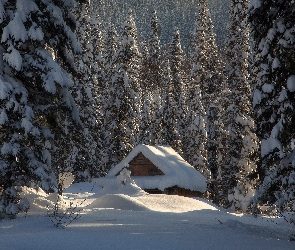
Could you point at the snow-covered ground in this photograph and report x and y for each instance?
(125, 217)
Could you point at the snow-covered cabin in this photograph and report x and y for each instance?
(159, 169)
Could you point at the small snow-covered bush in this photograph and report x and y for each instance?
(124, 177)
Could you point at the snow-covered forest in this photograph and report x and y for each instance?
(81, 85)
(171, 14)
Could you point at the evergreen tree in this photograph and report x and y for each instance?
(154, 42)
(86, 93)
(195, 139)
(157, 117)
(34, 88)
(272, 25)
(152, 74)
(123, 111)
(206, 73)
(195, 151)
(144, 136)
(108, 98)
(236, 188)
(215, 60)
(110, 47)
(151, 77)
(207, 64)
(169, 133)
(96, 45)
(175, 56)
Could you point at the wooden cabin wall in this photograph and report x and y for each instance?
(142, 166)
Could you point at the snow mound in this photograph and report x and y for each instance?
(118, 201)
(131, 197)
(152, 202)
(115, 196)
(82, 188)
(39, 200)
(174, 203)
(114, 187)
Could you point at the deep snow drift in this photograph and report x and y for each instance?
(125, 217)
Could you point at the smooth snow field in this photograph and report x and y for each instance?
(125, 217)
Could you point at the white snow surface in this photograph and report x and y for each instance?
(276, 63)
(269, 144)
(291, 83)
(176, 170)
(267, 88)
(128, 218)
(254, 4)
(257, 97)
(13, 58)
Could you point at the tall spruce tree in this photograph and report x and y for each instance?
(87, 93)
(176, 58)
(169, 133)
(153, 62)
(144, 135)
(272, 24)
(109, 51)
(154, 77)
(195, 137)
(96, 45)
(195, 151)
(151, 87)
(123, 112)
(157, 117)
(206, 73)
(236, 188)
(33, 89)
(154, 42)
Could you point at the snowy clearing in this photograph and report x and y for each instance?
(129, 218)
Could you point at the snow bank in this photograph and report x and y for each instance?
(40, 202)
(174, 203)
(143, 222)
(118, 201)
(153, 202)
(114, 196)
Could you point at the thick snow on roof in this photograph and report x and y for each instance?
(176, 170)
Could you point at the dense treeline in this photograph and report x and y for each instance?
(171, 14)
(77, 96)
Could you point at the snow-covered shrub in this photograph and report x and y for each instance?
(124, 177)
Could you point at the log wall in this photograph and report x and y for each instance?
(142, 166)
